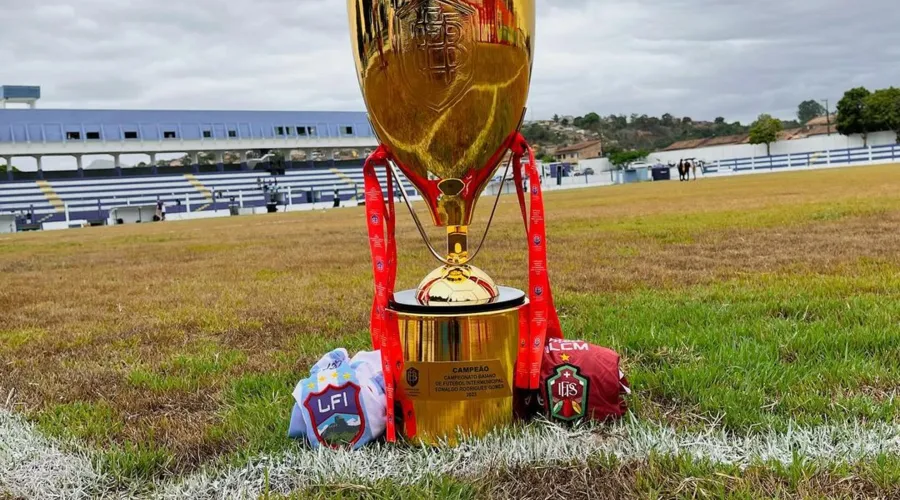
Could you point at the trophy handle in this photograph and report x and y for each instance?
(421, 229)
(493, 210)
(415, 217)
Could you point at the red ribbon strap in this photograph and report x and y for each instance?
(385, 332)
(543, 321)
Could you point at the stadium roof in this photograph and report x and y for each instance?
(58, 125)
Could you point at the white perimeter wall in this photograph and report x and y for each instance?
(810, 144)
(7, 223)
(598, 164)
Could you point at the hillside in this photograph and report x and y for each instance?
(649, 133)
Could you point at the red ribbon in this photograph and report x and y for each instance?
(537, 321)
(540, 320)
(380, 217)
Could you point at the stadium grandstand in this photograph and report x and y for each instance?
(244, 158)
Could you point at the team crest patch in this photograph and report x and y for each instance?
(567, 392)
(336, 415)
(412, 377)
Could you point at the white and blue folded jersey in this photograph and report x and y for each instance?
(342, 403)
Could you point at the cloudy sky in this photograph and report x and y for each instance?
(700, 58)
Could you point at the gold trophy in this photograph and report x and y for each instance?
(445, 83)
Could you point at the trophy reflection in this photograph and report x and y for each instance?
(445, 83)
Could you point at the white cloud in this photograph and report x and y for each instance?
(701, 58)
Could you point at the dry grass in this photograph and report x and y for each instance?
(683, 478)
(177, 336)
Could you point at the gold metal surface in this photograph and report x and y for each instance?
(445, 83)
(456, 284)
(455, 340)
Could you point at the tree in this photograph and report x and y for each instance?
(555, 118)
(720, 120)
(590, 120)
(618, 122)
(535, 133)
(808, 110)
(686, 120)
(884, 107)
(668, 120)
(853, 115)
(765, 131)
(565, 122)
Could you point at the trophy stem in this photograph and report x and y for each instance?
(458, 244)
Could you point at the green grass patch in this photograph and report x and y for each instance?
(135, 462)
(209, 248)
(269, 275)
(19, 337)
(189, 373)
(255, 415)
(201, 317)
(96, 422)
(683, 228)
(760, 354)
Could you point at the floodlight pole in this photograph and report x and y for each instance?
(827, 116)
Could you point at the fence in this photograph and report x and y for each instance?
(887, 153)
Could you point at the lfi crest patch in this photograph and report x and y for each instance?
(336, 415)
(567, 392)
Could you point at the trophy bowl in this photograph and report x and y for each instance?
(445, 83)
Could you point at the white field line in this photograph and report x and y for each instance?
(32, 466)
(630, 441)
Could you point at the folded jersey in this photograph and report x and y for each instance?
(342, 402)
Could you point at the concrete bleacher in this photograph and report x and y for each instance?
(22, 197)
(92, 198)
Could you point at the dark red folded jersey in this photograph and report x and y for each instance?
(580, 380)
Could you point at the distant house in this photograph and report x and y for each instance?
(816, 126)
(580, 151)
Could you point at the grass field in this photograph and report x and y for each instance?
(753, 307)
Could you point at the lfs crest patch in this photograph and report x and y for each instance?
(336, 415)
(567, 392)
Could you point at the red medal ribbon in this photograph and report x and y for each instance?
(385, 332)
(542, 320)
(538, 320)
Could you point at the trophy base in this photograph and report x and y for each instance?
(459, 364)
